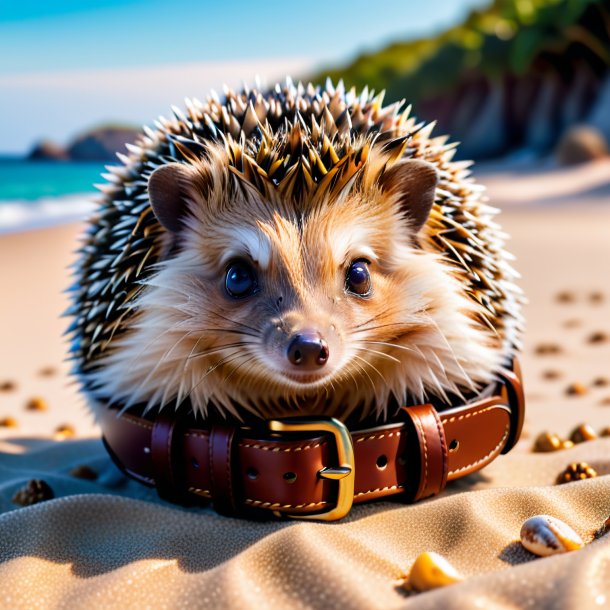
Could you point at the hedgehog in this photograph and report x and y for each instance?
(294, 250)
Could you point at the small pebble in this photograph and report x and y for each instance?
(64, 431)
(8, 386)
(83, 472)
(582, 434)
(567, 444)
(572, 323)
(605, 431)
(545, 349)
(544, 535)
(32, 492)
(576, 471)
(551, 374)
(36, 404)
(598, 337)
(596, 297)
(8, 422)
(430, 571)
(546, 441)
(605, 402)
(576, 389)
(47, 371)
(600, 382)
(565, 297)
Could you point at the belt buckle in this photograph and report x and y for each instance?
(343, 474)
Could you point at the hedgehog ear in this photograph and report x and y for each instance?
(414, 182)
(167, 194)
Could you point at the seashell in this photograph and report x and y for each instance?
(576, 471)
(430, 571)
(544, 535)
(546, 441)
(583, 433)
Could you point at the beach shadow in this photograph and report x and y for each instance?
(514, 554)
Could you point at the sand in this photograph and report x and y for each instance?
(116, 543)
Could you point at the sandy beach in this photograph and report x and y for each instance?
(562, 249)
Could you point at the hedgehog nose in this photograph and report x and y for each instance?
(308, 350)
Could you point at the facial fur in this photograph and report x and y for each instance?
(416, 334)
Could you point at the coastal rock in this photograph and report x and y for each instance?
(102, 143)
(580, 144)
(45, 150)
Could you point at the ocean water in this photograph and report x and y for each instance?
(42, 193)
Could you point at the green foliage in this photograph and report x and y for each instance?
(506, 37)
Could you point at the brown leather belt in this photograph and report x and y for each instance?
(314, 467)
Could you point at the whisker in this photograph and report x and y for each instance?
(361, 368)
(402, 325)
(374, 351)
(238, 367)
(396, 345)
(235, 322)
(219, 348)
(230, 331)
(372, 366)
(230, 358)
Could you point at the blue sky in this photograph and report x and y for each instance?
(58, 58)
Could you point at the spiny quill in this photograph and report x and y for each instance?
(291, 143)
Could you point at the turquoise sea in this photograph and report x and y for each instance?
(40, 193)
(30, 180)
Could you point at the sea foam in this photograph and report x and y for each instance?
(22, 215)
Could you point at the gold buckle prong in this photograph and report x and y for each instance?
(343, 474)
(336, 474)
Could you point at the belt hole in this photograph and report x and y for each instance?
(382, 462)
(454, 445)
(194, 463)
(252, 473)
(290, 477)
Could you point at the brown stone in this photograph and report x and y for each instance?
(64, 431)
(47, 371)
(32, 492)
(601, 382)
(37, 404)
(8, 386)
(582, 434)
(552, 374)
(545, 349)
(576, 389)
(596, 297)
(546, 442)
(575, 472)
(572, 323)
(83, 472)
(597, 337)
(8, 422)
(565, 297)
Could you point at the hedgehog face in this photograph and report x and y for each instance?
(283, 307)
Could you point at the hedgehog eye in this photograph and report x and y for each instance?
(240, 280)
(358, 278)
